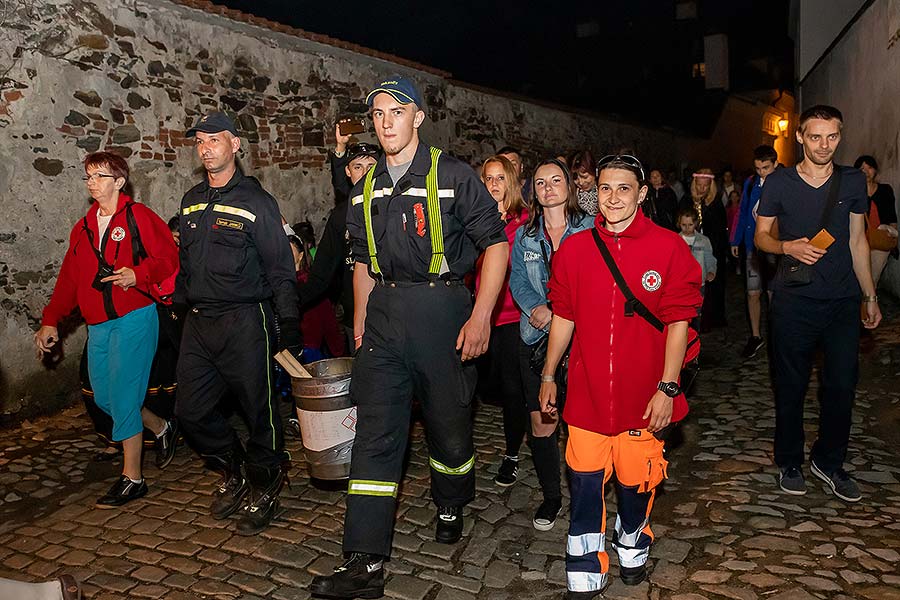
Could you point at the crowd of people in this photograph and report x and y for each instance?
(549, 280)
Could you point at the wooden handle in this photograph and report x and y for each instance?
(291, 364)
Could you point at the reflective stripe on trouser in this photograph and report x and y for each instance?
(408, 350)
(363, 487)
(230, 352)
(636, 458)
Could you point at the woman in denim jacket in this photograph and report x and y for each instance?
(554, 215)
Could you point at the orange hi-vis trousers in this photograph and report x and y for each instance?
(636, 458)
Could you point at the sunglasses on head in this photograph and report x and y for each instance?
(362, 149)
(628, 159)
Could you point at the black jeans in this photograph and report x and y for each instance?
(799, 326)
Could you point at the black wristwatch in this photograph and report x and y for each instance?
(669, 388)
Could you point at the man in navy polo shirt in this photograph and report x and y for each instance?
(826, 310)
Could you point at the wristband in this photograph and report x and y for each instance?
(870, 298)
(356, 338)
(548, 379)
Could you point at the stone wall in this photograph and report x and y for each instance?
(861, 76)
(131, 76)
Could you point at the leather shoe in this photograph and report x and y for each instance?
(165, 445)
(122, 491)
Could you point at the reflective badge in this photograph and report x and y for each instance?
(229, 223)
(651, 281)
(420, 219)
(117, 235)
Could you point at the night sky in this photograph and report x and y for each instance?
(638, 64)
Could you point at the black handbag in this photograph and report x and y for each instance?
(539, 357)
(791, 271)
(539, 349)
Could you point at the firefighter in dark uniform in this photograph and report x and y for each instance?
(418, 220)
(237, 274)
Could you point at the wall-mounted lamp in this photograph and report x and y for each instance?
(783, 125)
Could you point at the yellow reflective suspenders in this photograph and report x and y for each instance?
(434, 217)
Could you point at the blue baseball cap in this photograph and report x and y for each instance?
(400, 89)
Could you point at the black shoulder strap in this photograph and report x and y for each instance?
(138, 252)
(834, 189)
(544, 254)
(632, 304)
(90, 237)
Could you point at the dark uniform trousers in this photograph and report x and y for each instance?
(409, 349)
(230, 350)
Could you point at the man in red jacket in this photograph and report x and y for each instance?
(623, 373)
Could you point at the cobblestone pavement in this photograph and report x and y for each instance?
(723, 528)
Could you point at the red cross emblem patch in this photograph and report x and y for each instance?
(651, 281)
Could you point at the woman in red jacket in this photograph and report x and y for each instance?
(623, 373)
(118, 255)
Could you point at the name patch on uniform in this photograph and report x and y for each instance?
(229, 223)
(651, 281)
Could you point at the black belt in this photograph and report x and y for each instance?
(408, 284)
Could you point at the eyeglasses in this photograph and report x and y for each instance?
(628, 159)
(96, 176)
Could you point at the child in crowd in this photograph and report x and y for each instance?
(700, 245)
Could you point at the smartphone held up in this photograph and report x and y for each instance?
(351, 126)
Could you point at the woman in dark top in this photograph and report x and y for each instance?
(661, 203)
(881, 199)
(714, 225)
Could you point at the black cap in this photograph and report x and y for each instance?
(213, 122)
(354, 151)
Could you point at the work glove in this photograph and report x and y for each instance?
(290, 338)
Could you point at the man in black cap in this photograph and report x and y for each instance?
(237, 277)
(333, 255)
(417, 223)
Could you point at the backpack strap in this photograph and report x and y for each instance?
(138, 252)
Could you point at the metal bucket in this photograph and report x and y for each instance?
(327, 418)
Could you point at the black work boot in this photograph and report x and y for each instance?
(449, 524)
(361, 576)
(230, 492)
(265, 485)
